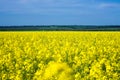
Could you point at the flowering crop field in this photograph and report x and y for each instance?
(60, 55)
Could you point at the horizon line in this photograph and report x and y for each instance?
(59, 25)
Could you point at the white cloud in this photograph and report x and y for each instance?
(108, 5)
(27, 1)
(54, 6)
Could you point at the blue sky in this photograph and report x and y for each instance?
(59, 12)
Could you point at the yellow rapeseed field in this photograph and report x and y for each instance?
(60, 55)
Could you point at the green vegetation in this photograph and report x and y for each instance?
(60, 28)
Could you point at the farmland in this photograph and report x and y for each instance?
(63, 55)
